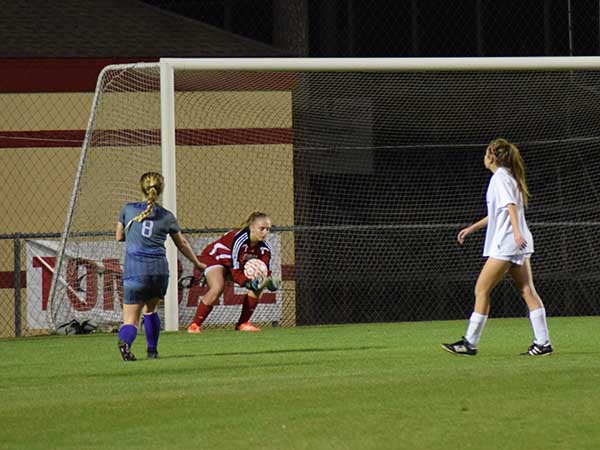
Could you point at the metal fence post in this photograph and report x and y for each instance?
(17, 283)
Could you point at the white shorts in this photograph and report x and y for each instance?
(519, 260)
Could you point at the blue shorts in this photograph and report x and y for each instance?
(144, 288)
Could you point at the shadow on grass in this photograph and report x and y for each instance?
(267, 352)
(299, 350)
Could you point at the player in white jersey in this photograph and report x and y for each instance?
(508, 247)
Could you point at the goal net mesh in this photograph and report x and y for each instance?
(368, 177)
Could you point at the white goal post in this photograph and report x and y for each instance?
(167, 71)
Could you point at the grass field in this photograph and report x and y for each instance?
(376, 386)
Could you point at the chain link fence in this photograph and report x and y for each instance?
(41, 132)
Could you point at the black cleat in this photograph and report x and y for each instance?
(461, 347)
(539, 350)
(125, 352)
(152, 353)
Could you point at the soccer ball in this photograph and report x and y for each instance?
(254, 268)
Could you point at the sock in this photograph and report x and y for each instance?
(248, 307)
(202, 313)
(127, 334)
(152, 329)
(540, 327)
(476, 324)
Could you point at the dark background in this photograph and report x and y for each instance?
(408, 28)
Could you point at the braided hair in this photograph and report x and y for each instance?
(151, 185)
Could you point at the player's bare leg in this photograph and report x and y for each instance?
(491, 274)
(523, 278)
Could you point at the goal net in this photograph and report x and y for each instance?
(368, 168)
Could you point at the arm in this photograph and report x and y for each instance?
(514, 221)
(471, 229)
(120, 233)
(184, 247)
(239, 277)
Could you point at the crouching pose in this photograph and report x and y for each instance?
(244, 256)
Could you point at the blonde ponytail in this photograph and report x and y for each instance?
(509, 156)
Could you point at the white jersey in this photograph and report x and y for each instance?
(499, 238)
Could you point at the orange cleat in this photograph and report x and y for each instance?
(194, 328)
(246, 326)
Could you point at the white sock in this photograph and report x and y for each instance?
(476, 324)
(540, 327)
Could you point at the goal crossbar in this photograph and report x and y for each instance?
(386, 64)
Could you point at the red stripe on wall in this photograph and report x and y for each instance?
(54, 74)
(52, 138)
(288, 272)
(236, 81)
(7, 280)
(81, 75)
(129, 138)
(235, 136)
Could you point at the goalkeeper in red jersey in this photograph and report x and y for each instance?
(235, 255)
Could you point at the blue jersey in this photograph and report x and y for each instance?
(145, 252)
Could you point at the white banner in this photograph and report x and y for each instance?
(93, 285)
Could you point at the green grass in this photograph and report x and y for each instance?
(377, 386)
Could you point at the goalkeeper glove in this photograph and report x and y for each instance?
(260, 283)
(255, 285)
(273, 284)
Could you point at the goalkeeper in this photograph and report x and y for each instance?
(144, 227)
(227, 257)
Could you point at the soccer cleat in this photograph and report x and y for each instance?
(152, 353)
(539, 350)
(246, 326)
(126, 352)
(461, 347)
(194, 328)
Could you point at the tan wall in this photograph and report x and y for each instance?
(30, 112)
(70, 111)
(218, 186)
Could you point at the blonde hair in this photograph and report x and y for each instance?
(151, 185)
(254, 216)
(509, 156)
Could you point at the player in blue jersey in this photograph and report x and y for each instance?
(144, 226)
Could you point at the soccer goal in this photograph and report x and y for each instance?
(368, 168)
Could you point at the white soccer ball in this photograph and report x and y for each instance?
(254, 268)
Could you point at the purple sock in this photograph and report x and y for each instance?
(127, 333)
(152, 329)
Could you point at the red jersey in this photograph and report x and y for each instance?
(232, 250)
